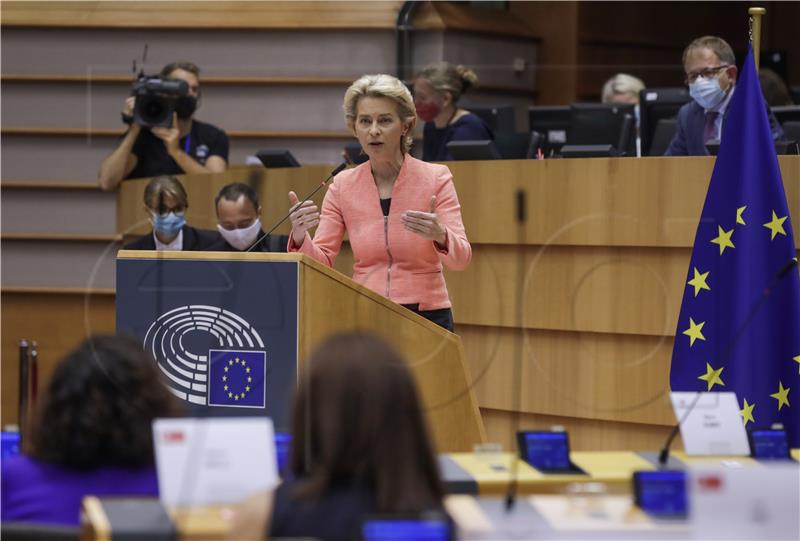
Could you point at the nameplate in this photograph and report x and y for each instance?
(713, 426)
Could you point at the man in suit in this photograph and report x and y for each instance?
(166, 202)
(238, 214)
(710, 67)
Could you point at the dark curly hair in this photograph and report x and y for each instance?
(99, 407)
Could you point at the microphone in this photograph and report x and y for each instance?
(339, 169)
(663, 456)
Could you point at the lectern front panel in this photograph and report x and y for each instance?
(223, 332)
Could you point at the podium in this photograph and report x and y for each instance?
(229, 332)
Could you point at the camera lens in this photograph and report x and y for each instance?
(153, 110)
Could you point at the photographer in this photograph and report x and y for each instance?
(189, 146)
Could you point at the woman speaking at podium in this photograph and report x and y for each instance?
(402, 215)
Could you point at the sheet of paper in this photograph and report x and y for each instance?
(214, 460)
(713, 426)
(591, 513)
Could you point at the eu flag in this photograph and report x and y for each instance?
(739, 326)
(237, 378)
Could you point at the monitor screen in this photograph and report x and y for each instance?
(407, 529)
(546, 451)
(283, 443)
(658, 104)
(552, 122)
(661, 493)
(483, 149)
(277, 158)
(769, 444)
(603, 124)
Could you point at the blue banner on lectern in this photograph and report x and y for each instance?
(224, 333)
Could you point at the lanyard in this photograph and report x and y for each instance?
(188, 143)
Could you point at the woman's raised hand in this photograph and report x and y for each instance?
(303, 217)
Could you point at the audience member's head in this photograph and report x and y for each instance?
(185, 106)
(381, 86)
(439, 86)
(710, 67)
(99, 406)
(623, 89)
(776, 93)
(238, 215)
(166, 202)
(358, 417)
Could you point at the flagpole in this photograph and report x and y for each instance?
(755, 32)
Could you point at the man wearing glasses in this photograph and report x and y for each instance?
(710, 68)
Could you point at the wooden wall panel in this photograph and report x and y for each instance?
(590, 289)
(58, 321)
(211, 15)
(581, 375)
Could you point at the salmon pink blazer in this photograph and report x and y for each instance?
(389, 259)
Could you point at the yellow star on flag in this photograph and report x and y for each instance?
(225, 388)
(230, 395)
(723, 238)
(776, 225)
(226, 368)
(747, 413)
(247, 388)
(247, 369)
(797, 360)
(230, 362)
(244, 362)
(739, 219)
(782, 396)
(236, 397)
(699, 281)
(224, 378)
(249, 379)
(711, 377)
(694, 332)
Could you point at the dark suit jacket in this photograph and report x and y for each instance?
(273, 243)
(688, 139)
(194, 240)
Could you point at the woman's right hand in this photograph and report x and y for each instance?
(303, 217)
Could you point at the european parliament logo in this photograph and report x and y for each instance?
(237, 378)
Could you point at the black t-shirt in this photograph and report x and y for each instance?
(202, 141)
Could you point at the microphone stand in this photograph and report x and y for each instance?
(521, 207)
(339, 169)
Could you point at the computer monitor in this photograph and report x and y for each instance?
(274, 158)
(599, 124)
(786, 113)
(658, 104)
(553, 123)
(499, 118)
(483, 149)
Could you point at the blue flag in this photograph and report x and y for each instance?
(739, 326)
(237, 378)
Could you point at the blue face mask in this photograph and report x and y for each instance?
(707, 92)
(168, 224)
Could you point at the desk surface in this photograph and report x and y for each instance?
(489, 474)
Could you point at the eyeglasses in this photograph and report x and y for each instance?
(705, 73)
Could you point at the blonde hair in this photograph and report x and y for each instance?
(381, 86)
(622, 83)
(445, 77)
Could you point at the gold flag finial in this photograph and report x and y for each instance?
(755, 32)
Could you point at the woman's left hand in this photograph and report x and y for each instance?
(425, 224)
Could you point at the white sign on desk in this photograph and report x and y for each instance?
(713, 426)
(215, 460)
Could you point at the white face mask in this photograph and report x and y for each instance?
(707, 92)
(241, 239)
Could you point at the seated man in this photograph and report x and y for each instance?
(166, 202)
(239, 223)
(189, 146)
(711, 71)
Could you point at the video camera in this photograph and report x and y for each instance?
(155, 100)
